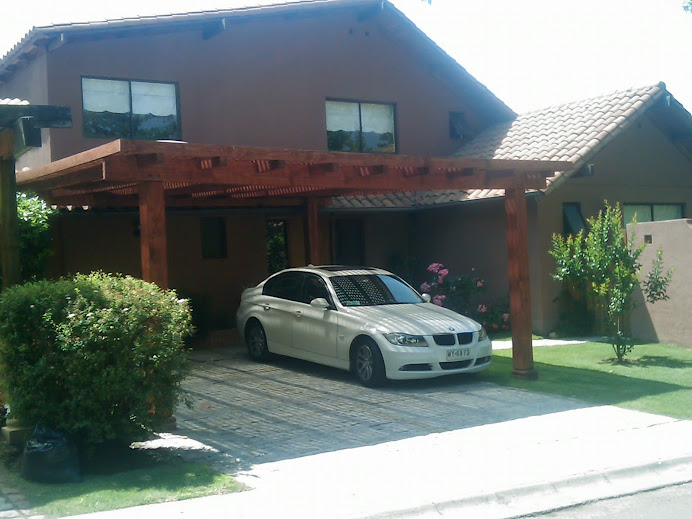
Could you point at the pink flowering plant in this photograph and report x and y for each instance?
(462, 293)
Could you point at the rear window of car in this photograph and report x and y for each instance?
(372, 289)
(285, 286)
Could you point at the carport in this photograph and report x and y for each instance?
(154, 176)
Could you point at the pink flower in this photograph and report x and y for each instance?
(479, 284)
(435, 267)
(473, 269)
(425, 287)
(495, 326)
(437, 300)
(482, 309)
(505, 317)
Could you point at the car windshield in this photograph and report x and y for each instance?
(373, 289)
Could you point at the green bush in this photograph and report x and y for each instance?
(96, 356)
(34, 234)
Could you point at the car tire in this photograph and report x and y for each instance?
(368, 365)
(256, 341)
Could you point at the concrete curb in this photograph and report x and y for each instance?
(549, 497)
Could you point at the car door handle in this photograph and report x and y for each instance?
(299, 313)
(266, 307)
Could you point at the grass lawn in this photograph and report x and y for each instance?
(117, 480)
(655, 378)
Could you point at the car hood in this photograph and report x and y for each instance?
(416, 319)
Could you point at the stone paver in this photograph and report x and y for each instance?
(257, 413)
(13, 503)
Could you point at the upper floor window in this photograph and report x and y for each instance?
(458, 127)
(130, 109)
(361, 127)
(651, 212)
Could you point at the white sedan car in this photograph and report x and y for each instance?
(366, 320)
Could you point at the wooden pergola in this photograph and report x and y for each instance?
(154, 176)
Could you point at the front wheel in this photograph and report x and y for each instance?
(256, 341)
(368, 364)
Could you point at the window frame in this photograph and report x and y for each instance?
(222, 231)
(652, 206)
(360, 102)
(565, 217)
(129, 81)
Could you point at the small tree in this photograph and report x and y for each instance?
(603, 265)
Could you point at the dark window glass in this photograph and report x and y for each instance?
(213, 237)
(286, 286)
(314, 287)
(361, 127)
(458, 127)
(371, 290)
(572, 219)
(130, 109)
(277, 245)
(651, 212)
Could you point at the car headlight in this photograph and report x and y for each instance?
(404, 339)
(482, 334)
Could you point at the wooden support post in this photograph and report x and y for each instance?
(152, 221)
(519, 288)
(313, 234)
(9, 224)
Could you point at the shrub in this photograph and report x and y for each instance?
(461, 293)
(34, 234)
(96, 356)
(602, 266)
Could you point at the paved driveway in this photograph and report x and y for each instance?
(257, 413)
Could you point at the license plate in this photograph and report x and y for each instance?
(458, 354)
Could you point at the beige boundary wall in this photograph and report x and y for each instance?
(667, 321)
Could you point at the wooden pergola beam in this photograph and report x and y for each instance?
(9, 225)
(519, 286)
(152, 221)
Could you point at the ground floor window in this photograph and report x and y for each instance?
(572, 218)
(213, 237)
(277, 245)
(651, 212)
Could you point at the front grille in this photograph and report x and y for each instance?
(444, 339)
(465, 337)
(456, 365)
(482, 360)
(416, 367)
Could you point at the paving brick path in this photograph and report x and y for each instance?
(257, 413)
(12, 503)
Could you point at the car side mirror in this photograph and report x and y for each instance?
(426, 297)
(320, 302)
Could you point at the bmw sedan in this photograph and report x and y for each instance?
(366, 320)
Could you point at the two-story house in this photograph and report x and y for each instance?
(315, 131)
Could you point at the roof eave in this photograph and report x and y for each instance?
(584, 159)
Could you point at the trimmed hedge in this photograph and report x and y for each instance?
(96, 356)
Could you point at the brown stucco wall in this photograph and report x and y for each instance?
(641, 165)
(665, 321)
(264, 82)
(110, 242)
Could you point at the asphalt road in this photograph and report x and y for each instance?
(667, 503)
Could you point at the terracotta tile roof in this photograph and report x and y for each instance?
(573, 132)
(411, 200)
